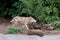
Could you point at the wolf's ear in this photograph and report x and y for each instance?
(30, 17)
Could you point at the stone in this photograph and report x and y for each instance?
(47, 27)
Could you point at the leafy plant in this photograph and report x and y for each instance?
(56, 25)
(14, 30)
(44, 11)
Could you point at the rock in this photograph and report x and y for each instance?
(47, 27)
(34, 25)
(36, 32)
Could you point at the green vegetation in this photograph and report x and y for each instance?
(14, 30)
(44, 11)
(57, 25)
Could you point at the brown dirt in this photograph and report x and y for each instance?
(4, 24)
(52, 32)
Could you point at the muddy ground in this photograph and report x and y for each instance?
(5, 24)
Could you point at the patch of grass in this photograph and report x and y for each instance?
(14, 30)
(57, 26)
(21, 30)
